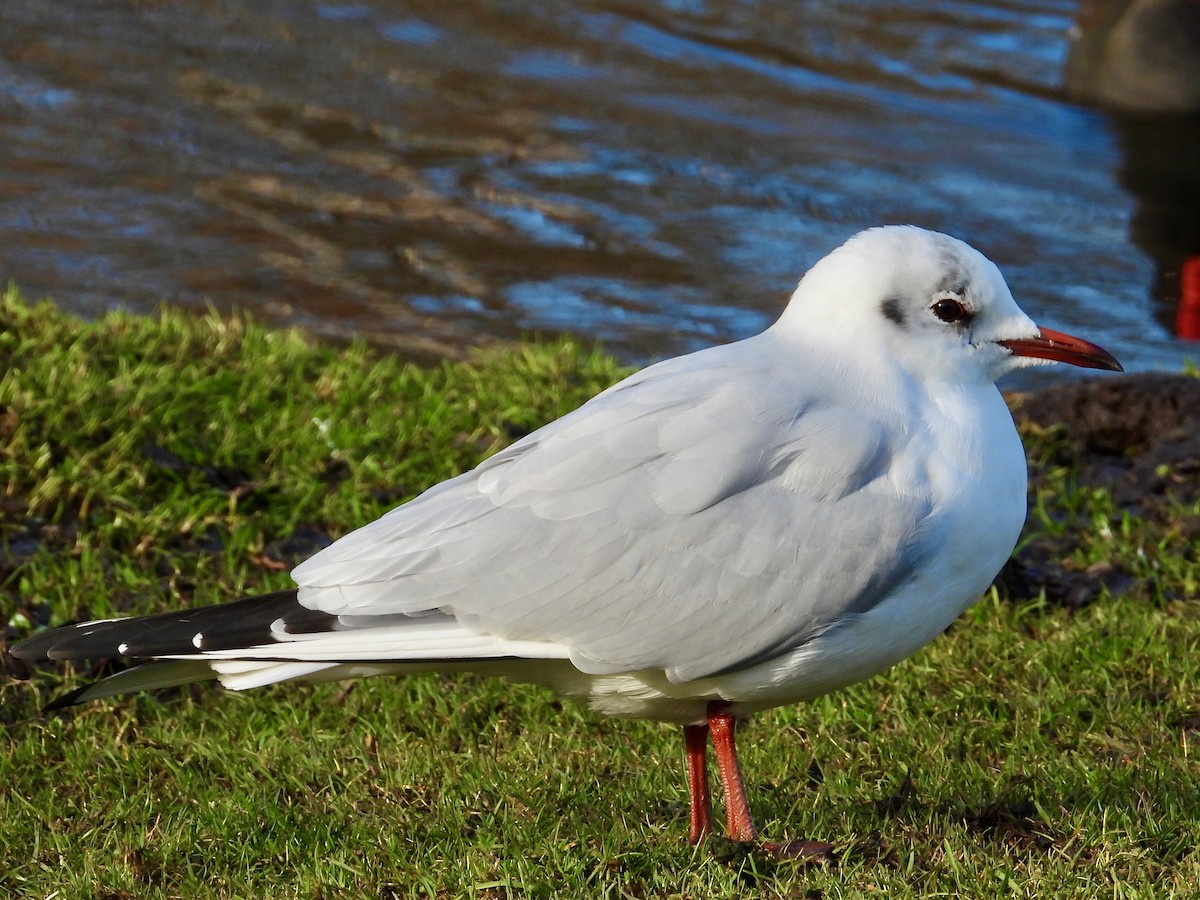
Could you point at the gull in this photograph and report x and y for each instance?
(748, 526)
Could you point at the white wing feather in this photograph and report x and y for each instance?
(691, 530)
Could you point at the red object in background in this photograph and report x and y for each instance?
(1187, 319)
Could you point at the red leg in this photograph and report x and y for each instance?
(695, 739)
(739, 825)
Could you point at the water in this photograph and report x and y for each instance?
(654, 176)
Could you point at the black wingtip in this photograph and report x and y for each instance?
(71, 698)
(227, 626)
(35, 647)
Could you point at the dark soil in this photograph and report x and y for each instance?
(1135, 436)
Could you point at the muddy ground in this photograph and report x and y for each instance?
(1136, 437)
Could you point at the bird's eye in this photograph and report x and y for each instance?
(949, 310)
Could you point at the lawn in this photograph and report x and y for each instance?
(1036, 749)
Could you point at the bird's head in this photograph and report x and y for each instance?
(933, 303)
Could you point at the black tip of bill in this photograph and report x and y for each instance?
(1064, 348)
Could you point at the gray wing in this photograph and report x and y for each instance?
(705, 514)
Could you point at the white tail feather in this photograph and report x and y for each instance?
(425, 639)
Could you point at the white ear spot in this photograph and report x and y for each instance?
(198, 640)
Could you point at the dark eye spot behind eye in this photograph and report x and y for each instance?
(893, 311)
(950, 310)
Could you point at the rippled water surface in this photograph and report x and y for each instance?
(652, 175)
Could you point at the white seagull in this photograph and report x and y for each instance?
(748, 526)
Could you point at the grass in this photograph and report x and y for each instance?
(1031, 752)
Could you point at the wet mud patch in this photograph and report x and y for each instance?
(903, 798)
(1137, 436)
(1137, 439)
(239, 483)
(1013, 822)
(1044, 565)
(290, 551)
